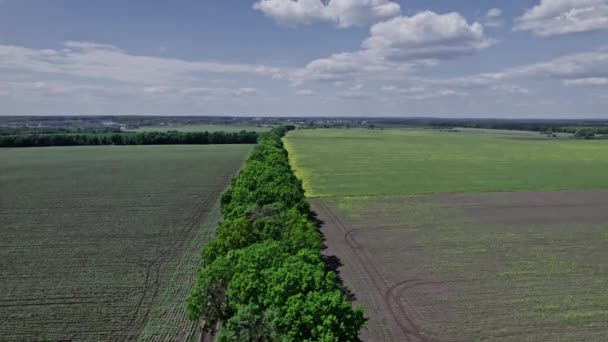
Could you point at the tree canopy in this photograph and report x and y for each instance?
(262, 277)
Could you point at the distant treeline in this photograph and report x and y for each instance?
(82, 124)
(262, 277)
(585, 131)
(128, 121)
(142, 138)
(536, 125)
(58, 130)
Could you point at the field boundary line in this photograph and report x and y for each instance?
(416, 194)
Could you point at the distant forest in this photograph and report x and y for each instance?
(144, 138)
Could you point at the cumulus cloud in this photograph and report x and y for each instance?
(393, 50)
(398, 45)
(426, 35)
(343, 13)
(346, 66)
(558, 17)
(290, 12)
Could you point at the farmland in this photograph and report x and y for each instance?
(397, 162)
(100, 243)
(463, 236)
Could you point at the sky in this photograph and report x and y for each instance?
(432, 58)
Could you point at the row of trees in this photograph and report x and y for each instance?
(262, 277)
(57, 130)
(591, 133)
(143, 138)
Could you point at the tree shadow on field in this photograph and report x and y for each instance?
(332, 262)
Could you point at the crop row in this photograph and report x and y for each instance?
(262, 277)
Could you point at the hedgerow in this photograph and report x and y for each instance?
(262, 277)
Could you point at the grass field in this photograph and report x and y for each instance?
(449, 247)
(202, 128)
(396, 162)
(100, 243)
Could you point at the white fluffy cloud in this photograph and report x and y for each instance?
(344, 13)
(396, 46)
(426, 35)
(346, 67)
(557, 17)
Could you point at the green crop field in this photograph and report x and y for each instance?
(101, 243)
(203, 128)
(459, 235)
(356, 162)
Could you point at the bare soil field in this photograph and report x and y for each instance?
(520, 266)
(101, 243)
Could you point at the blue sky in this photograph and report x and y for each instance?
(473, 58)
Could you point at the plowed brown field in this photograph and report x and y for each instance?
(523, 266)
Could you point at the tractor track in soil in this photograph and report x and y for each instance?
(152, 279)
(403, 316)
